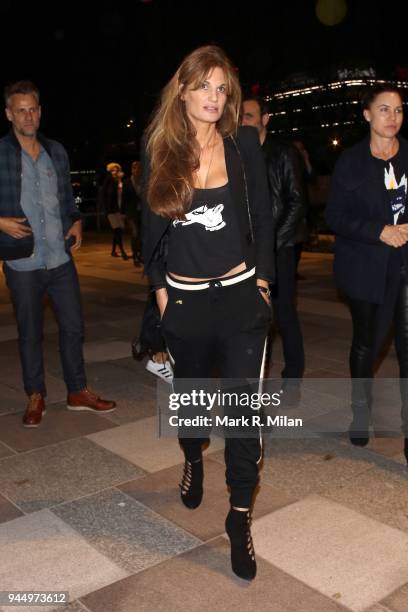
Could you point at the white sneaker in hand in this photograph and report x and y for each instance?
(162, 370)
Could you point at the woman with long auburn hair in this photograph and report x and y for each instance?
(208, 252)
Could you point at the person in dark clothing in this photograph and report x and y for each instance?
(39, 225)
(308, 176)
(132, 209)
(287, 201)
(208, 251)
(111, 203)
(367, 210)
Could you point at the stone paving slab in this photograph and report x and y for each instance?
(388, 447)
(107, 374)
(129, 410)
(202, 579)
(336, 351)
(397, 601)
(336, 328)
(339, 552)
(61, 472)
(110, 379)
(139, 443)
(303, 449)
(380, 608)
(321, 362)
(6, 308)
(8, 332)
(10, 376)
(56, 389)
(160, 492)
(388, 367)
(124, 530)
(5, 451)
(137, 367)
(323, 373)
(75, 606)
(42, 552)
(316, 307)
(102, 350)
(303, 473)
(335, 422)
(11, 400)
(381, 493)
(57, 425)
(8, 511)
(113, 275)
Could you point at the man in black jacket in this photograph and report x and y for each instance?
(287, 200)
(39, 223)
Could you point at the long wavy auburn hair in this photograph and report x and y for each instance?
(172, 146)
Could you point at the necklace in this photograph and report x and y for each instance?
(385, 155)
(206, 146)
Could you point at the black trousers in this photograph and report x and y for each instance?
(117, 240)
(371, 323)
(223, 328)
(135, 236)
(287, 320)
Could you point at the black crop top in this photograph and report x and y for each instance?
(207, 244)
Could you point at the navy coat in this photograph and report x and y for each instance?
(357, 211)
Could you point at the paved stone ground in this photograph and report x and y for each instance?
(89, 504)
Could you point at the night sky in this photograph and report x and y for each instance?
(98, 67)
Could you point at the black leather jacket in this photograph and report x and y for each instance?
(286, 189)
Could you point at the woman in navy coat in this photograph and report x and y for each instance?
(367, 211)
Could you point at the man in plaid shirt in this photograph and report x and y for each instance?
(39, 226)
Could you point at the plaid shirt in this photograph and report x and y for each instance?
(10, 192)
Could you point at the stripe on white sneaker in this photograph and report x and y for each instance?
(165, 371)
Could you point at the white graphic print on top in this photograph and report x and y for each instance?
(210, 218)
(397, 191)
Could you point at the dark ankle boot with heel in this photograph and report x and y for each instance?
(191, 487)
(238, 528)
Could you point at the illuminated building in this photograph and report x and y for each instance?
(326, 115)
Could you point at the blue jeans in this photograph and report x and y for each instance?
(27, 293)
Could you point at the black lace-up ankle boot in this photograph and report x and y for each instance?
(238, 528)
(191, 487)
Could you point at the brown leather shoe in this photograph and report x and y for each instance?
(87, 400)
(35, 410)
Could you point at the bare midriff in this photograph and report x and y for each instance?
(235, 270)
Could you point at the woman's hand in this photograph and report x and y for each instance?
(395, 235)
(263, 288)
(162, 298)
(403, 229)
